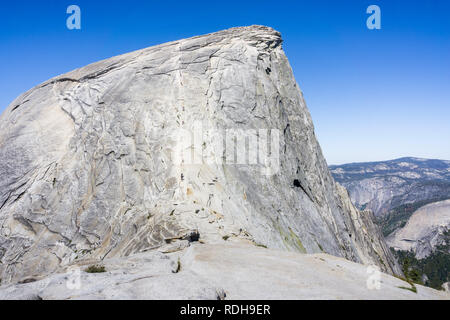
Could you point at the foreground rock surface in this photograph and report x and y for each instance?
(90, 160)
(228, 271)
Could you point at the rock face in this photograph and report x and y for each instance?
(383, 186)
(97, 163)
(427, 228)
(222, 271)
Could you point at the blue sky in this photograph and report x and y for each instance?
(373, 94)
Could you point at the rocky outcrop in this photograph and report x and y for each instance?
(223, 271)
(106, 161)
(387, 185)
(428, 228)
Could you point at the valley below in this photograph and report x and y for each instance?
(409, 198)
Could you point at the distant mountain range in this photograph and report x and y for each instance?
(407, 197)
(387, 185)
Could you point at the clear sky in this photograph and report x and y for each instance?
(373, 94)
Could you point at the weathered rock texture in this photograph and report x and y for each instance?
(427, 229)
(222, 271)
(87, 168)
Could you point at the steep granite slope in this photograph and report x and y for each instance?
(98, 163)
